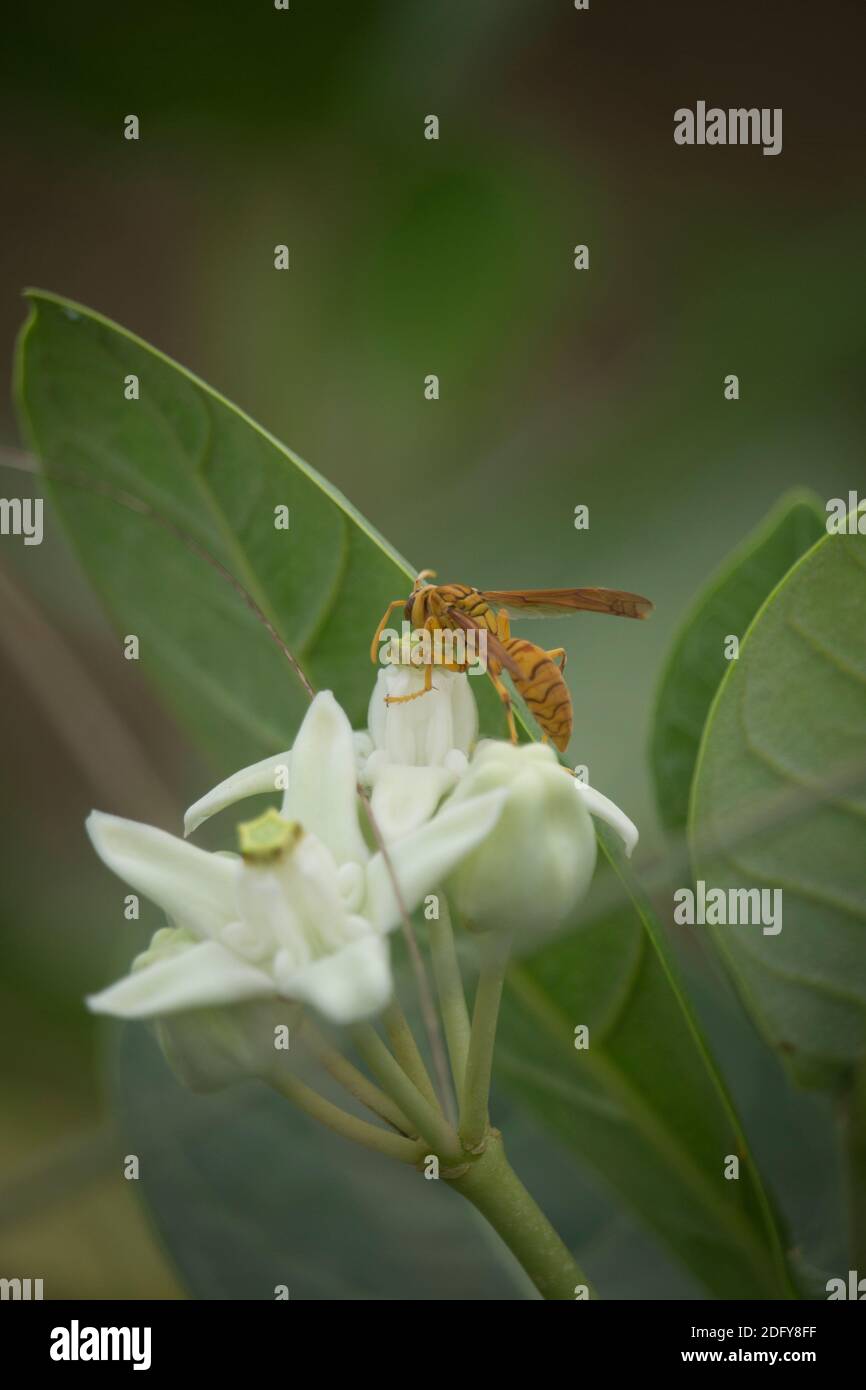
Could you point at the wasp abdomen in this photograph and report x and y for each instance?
(542, 686)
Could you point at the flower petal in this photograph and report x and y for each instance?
(465, 714)
(322, 792)
(259, 777)
(405, 797)
(608, 811)
(349, 985)
(422, 731)
(424, 857)
(204, 974)
(195, 888)
(377, 710)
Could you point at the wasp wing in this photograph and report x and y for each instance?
(549, 603)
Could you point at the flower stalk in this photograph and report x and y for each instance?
(449, 985)
(341, 1070)
(406, 1052)
(427, 1118)
(360, 1131)
(494, 949)
(495, 1190)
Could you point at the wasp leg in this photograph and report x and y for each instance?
(374, 645)
(558, 654)
(502, 692)
(433, 625)
(416, 694)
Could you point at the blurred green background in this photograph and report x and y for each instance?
(408, 257)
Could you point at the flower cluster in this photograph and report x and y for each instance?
(300, 915)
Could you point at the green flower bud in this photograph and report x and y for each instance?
(212, 1047)
(536, 864)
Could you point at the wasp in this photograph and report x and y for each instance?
(535, 673)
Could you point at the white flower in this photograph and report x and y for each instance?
(537, 863)
(303, 914)
(412, 755)
(419, 748)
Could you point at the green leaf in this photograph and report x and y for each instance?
(211, 471)
(697, 660)
(779, 801)
(644, 1104)
(324, 585)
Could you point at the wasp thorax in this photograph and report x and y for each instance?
(268, 838)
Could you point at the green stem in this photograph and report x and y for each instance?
(452, 1000)
(495, 1190)
(493, 949)
(426, 1118)
(349, 1126)
(405, 1049)
(855, 1152)
(353, 1080)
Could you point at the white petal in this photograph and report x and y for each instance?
(352, 984)
(377, 710)
(363, 744)
(465, 712)
(350, 886)
(204, 974)
(456, 762)
(259, 777)
(419, 731)
(405, 797)
(424, 857)
(608, 811)
(195, 888)
(433, 718)
(322, 791)
(272, 922)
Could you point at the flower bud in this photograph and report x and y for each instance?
(418, 748)
(536, 864)
(425, 731)
(209, 1048)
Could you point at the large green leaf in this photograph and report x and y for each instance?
(208, 469)
(779, 801)
(697, 661)
(323, 584)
